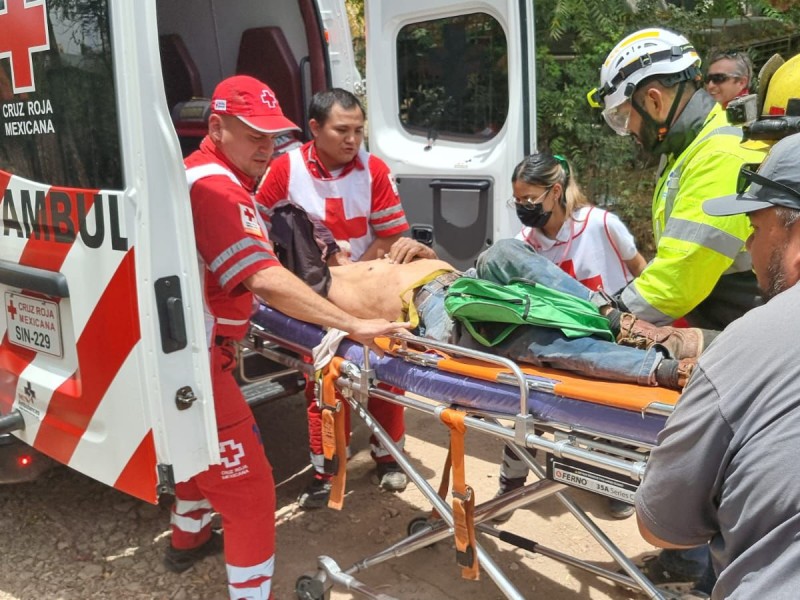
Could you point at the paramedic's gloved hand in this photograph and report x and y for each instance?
(406, 249)
(365, 331)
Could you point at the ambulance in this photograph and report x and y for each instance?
(103, 356)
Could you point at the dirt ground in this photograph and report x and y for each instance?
(65, 537)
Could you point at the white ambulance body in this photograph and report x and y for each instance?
(103, 355)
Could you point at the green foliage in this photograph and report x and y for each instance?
(573, 39)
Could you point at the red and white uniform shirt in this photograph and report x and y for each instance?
(358, 203)
(591, 246)
(232, 242)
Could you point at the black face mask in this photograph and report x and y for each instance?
(534, 216)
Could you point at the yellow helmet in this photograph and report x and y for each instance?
(781, 87)
(774, 112)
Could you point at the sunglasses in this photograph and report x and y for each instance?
(719, 77)
(748, 176)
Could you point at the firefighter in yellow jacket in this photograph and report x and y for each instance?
(651, 88)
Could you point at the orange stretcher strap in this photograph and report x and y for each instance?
(463, 496)
(334, 442)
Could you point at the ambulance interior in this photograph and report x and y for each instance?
(201, 43)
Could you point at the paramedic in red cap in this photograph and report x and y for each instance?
(237, 262)
(354, 195)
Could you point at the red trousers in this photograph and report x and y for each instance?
(240, 489)
(389, 415)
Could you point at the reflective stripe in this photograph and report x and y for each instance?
(241, 265)
(673, 185)
(234, 322)
(513, 467)
(230, 251)
(389, 224)
(251, 583)
(703, 234)
(636, 304)
(194, 174)
(318, 462)
(741, 264)
(386, 212)
(379, 451)
(265, 214)
(183, 507)
(190, 524)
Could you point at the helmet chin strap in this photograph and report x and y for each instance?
(662, 128)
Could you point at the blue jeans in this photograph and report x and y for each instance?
(541, 346)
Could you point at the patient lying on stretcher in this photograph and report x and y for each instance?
(377, 289)
(371, 289)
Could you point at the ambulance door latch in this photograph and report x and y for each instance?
(184, 397)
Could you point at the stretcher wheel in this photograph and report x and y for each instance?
(308, 588)
(417, 524)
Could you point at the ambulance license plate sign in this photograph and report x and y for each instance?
(33, 323)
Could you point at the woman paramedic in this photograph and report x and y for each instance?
(589, 243)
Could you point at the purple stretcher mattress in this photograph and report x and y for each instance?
(471, 393)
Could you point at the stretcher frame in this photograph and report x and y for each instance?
(276, 336)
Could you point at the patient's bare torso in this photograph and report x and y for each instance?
(372, 289)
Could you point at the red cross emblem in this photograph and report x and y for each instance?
(24, 27)
(595, 282)
(248, 212)
(268, 98)
(12, 310)
(231, 453)
(342, 227)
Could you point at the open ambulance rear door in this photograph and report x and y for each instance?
(452, 111)
(103, 352)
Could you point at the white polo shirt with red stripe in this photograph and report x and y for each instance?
(591, 246)
(358, 204)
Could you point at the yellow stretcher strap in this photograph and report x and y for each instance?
(334, 442)
(463, 496)
(409, 310)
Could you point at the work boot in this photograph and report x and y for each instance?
(679, 342)
(316, 494)
(675, 374)
(178, 561)
(662, 577)
(391, 477)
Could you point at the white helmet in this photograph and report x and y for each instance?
(641, 55)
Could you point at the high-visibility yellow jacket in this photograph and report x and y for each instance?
(694, 250)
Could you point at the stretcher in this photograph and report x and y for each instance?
(595, 435)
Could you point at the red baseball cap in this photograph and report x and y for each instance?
(252, 102)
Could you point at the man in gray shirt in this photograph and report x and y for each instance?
(727, 467)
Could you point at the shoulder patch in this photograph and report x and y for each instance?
(250, 220)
